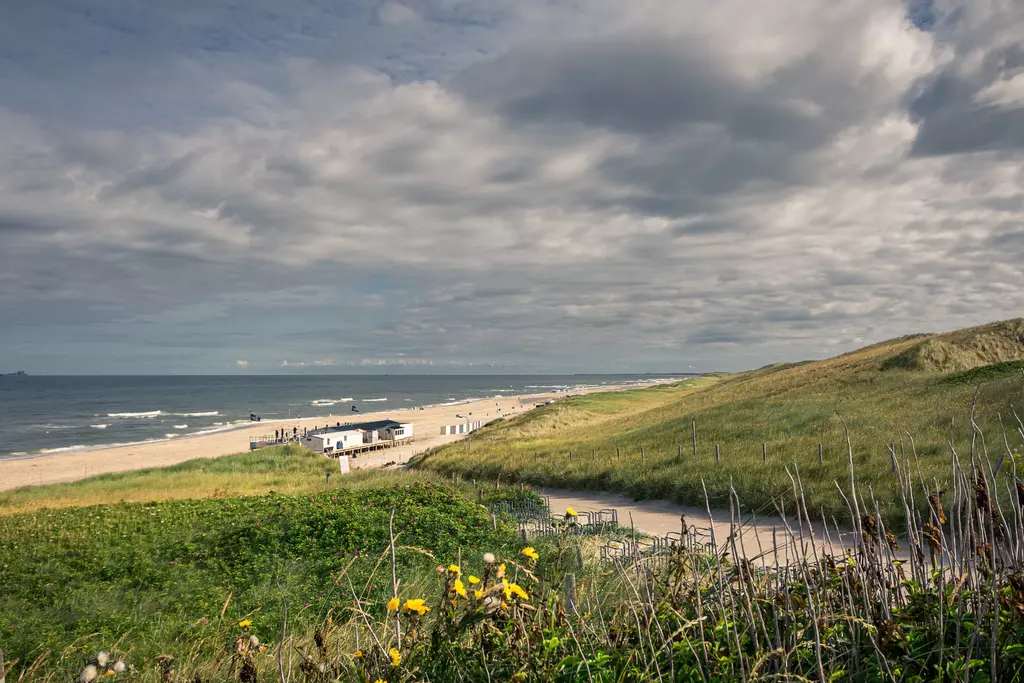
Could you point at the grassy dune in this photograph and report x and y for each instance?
(282, 469)
(918, 388)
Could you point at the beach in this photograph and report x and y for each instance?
(427, 422)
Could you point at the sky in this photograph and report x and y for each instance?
(536, 186)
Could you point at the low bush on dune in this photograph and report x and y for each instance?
(176, 571)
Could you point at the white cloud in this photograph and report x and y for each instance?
(242, 363)
(621, 183)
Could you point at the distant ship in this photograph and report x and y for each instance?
(19, 373)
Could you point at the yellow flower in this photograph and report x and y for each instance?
(460, 588)
(478, 594)
(415, 605)
(245, 623)
(508, 591)
(514, 588)
(358, 654)
(393, 604)
(501, 572)
(530, 553)
(454, 569)
(396, 657)
(380, 680)
(473, 580)
(569, 512)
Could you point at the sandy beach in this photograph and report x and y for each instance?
(427, 422)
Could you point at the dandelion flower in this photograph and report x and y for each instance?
(478, 594)
(501, 571)
(415, 605)
(454, 569)
(460, 588)
(380, 680)
(357, 654)
(473, 580)
(119, 667)
(488, 558)
(393, 604)
(530, 553)
(102, 658)
(245, 623)
(89, 674)
(396, 657)
(515, 589)
(569, 512)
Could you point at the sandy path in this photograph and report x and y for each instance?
(659, 518)
(72, 466)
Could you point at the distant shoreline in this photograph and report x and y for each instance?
(67, 466)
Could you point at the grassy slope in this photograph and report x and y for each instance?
(789, 407)
(160, 573)
(284, 469)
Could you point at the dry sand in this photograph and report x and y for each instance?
(72, 466)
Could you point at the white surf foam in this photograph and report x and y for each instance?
(150, 413)
(373, 400)
(209, 413)
(181, 426)
(99, 426)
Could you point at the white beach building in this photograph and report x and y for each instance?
(351, 436)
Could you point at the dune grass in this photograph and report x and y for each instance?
(282, 469)
(639, 443)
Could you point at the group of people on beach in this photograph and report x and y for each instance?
(281, 435)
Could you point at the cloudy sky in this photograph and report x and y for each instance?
(206, 186)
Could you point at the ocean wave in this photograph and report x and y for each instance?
(52, 426)
(374, 400)
(322, 402)
(181, 426)
(408, 399)
(547, 386)
(209, 413)
(99, 426)
(171, 435)
(150, 413)
(62, 449)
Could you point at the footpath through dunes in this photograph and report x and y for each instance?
(906, 400)
(769, 539)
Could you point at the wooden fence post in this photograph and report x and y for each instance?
(716, 452)
(643, 458)
(570, 593)
(617, 453)
(693, 433)
(570, 456)
(764, 452)
(819, 454)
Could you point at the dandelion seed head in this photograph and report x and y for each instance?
(102, 658)
(89, 673)
(489, 558)
(254, 641)
(120, 667)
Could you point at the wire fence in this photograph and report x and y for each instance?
(533, 519)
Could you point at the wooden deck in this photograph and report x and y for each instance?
(264, 441)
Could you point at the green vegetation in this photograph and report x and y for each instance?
(533, 614)
(282, 469)
(639, 443)
(161, 574)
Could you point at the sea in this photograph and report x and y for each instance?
(49, 414)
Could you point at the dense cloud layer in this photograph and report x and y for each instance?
(458, 185)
